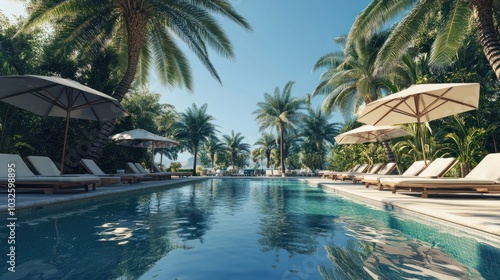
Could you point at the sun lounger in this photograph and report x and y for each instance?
(45, 166)
(484, 178)
(27, 180)
(352, 175)
(161, 175)
(387, 169)
(437, 168)
(147, 176)
(333, 174)
(94, 169)
(413, 170)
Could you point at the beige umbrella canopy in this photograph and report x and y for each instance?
(370, 133)
(58, 97)
(422, 103)
(141, 138)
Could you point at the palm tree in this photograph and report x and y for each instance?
(457, 17)
(466, 143)
(279, 111)
(145, 31)
(194, 128)
(212, 146)
(267, 143)
(317, 130)
(351, 78)
(235, 146)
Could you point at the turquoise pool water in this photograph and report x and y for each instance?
(241, 229)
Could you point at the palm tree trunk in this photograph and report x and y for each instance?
(194, 160)
(282, 151)
(465, 168)
(488, 36)
(320, 154)
(388, 151)
(136, 29)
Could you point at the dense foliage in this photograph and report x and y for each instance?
(294, 134)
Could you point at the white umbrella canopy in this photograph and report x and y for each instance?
(58, 97)
(141, 138)
(54, 96)
(370, 133)
(422, 103)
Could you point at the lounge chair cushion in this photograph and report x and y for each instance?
(438, 167)
(415, 168)
(21, 168)
(43, 166)
(92, 167)
(487, 169)
(436, 182)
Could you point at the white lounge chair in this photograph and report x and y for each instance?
(352, 175)
(484, 178)
(333, 174)
(146, 175)
(25, 179)
(386, 170)
(95, 170)
(436, 169)
(413, 170)
(45, 166)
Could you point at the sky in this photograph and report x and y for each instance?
(288, 37)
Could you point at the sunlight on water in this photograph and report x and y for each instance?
(241, 229)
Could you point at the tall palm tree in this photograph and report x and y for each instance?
(457, 17)
(194, 128)
(145, 31)
(317, 130)
(279, 111)
(267, 143)
(351, 78)
(235, 146)
(212, 146)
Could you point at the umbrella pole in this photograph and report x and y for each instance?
(68, 114)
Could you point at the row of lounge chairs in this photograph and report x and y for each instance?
(50, 181)
(24, 178)
(484, 178)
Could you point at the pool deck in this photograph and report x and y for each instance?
(480, 213)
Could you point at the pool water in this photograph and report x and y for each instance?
(241, 229)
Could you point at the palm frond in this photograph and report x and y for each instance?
(450, 38)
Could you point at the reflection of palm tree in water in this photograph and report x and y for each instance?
(391, 256)
(282, 228)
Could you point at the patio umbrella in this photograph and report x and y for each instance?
(58, 97)
(370, 133)
(422, 103)
(141, 138)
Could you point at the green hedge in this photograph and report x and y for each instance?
(186, 170)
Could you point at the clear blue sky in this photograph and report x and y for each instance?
(288, 37)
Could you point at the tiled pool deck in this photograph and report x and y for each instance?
(480, 213)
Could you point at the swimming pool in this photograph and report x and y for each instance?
(240, 229)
